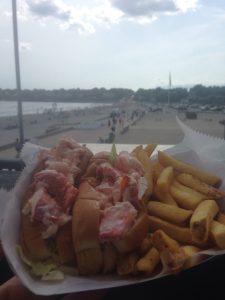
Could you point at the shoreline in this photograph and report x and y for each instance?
(89, 125)
(43, 107)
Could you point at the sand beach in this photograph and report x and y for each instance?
(135, 124)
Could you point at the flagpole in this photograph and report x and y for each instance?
(169, 88)
(17, 68)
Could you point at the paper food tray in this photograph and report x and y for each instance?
(11, 221)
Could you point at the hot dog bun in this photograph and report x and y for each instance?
(89, 219)
(33, 245)
(94, 256)
(59, 249)
(46, 211)
(86, 218)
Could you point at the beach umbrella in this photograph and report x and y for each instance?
(17, 69)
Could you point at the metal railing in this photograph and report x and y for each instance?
(10, 170)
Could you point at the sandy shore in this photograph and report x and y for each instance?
(89, 125)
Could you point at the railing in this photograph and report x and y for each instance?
(10, 170)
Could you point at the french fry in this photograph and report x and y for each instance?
(185, 211)
(217, 233)
(171, 254)
(220, 218)
(169, 213)
(190, 250)
(150, 148)
(201, 220)
(165, 179)
(196, 184)
(149, 262)
(180, 234)
(136, 150)
(186, 197)
(192, 258)
(163, 241)
(157, 168)
(164, 198)
(182, 167)
(145, 245)
(142, 156)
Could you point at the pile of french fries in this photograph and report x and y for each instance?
(184, 215)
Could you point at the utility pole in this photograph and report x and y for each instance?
(17, 68)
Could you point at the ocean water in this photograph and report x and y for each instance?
(9, 108)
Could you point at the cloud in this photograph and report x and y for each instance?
(46, 8)
(79, 17)
(185, 5)
(144, 7)
(85, 18)
(152, 9)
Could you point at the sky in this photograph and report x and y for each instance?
(114, 43)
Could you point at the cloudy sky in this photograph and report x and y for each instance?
(114, 43)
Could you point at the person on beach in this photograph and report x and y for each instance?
(111, 136)
(100, 140)
(109, 139)
(18, 147)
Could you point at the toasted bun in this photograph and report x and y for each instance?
(92, 256)
(90, 261)
(64, 244)
(58, 244)
(133, 238)
(86, 191)
(38, 249)
(110, 255)
(33, 245)
(85, 226)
